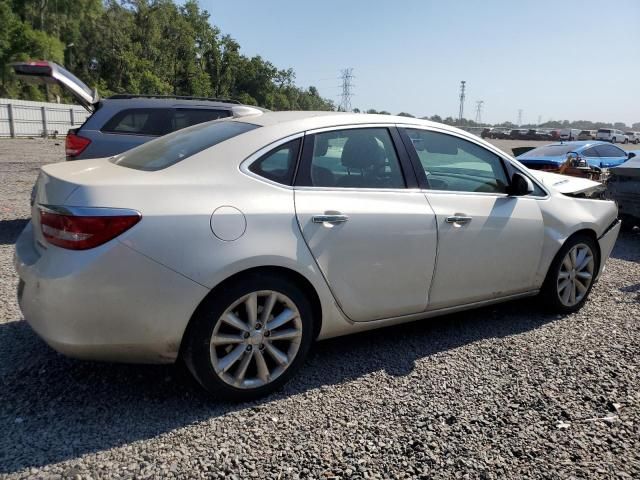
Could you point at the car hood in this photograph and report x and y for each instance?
(564, 183)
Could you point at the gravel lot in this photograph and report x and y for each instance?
(502, 392)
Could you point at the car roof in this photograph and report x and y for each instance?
(309, 120)
(141, 102)
(578, 143)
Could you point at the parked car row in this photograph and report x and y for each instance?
(566, 134)
(518, 134)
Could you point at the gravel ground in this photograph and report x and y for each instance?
(502, 392)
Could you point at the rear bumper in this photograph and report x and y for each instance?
(606, 242)
(79, 304)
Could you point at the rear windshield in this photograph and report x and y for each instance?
(549, 151)
(175, 147)
(604, 130)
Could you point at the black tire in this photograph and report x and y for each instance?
(196, 348)
(549, 295)
(613, 140)
(626, 140)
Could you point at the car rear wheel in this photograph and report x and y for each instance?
(250, 337)
(613, 140)
(571, 275)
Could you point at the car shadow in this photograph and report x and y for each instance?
(11, 229)
(53, 408)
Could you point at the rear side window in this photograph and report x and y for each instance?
(159, 121)
(279, 164)
(175, 147)
(186, 117)
(355, 158)
(139, 121)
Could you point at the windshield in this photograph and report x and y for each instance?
(549, 151)
(175, 147)
(604, 130)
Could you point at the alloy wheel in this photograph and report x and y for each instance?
(256, 339)
(575, 275)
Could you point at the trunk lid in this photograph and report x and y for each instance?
(44, 72)
(89, 183)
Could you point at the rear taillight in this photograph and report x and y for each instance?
(81, 232)
(74, 144)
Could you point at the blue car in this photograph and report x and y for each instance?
(594, 154)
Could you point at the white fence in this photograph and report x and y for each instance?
(20, 118)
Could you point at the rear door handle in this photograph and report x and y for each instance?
(459, 219)
(334, 218)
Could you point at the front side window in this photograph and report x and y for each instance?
(355, 158)
(175, 147)
(452, 163)
(590, 152)
(279, 164)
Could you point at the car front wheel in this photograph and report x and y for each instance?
(250, 337)
(571, 275)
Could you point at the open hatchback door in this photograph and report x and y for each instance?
(42, 72)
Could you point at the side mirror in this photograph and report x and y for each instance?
(630, 155)
(520, 185)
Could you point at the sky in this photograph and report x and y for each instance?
(562, 59)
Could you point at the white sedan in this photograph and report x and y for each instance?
(236, 243)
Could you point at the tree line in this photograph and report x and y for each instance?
(141, 46)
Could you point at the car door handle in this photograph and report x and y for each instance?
(334, 218)
(459, 219)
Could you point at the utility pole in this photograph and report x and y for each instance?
(519, 117)
(462, 87)
(346, 75)
(479, 104)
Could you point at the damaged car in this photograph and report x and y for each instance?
(587, 159)
(235, 244)
(623, 186)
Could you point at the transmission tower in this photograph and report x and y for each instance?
(519, 117)
(346, 75)
(462, 87)
(479, 105)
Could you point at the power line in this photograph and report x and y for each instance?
(346, 75)
(479, 105)
(462, 87)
